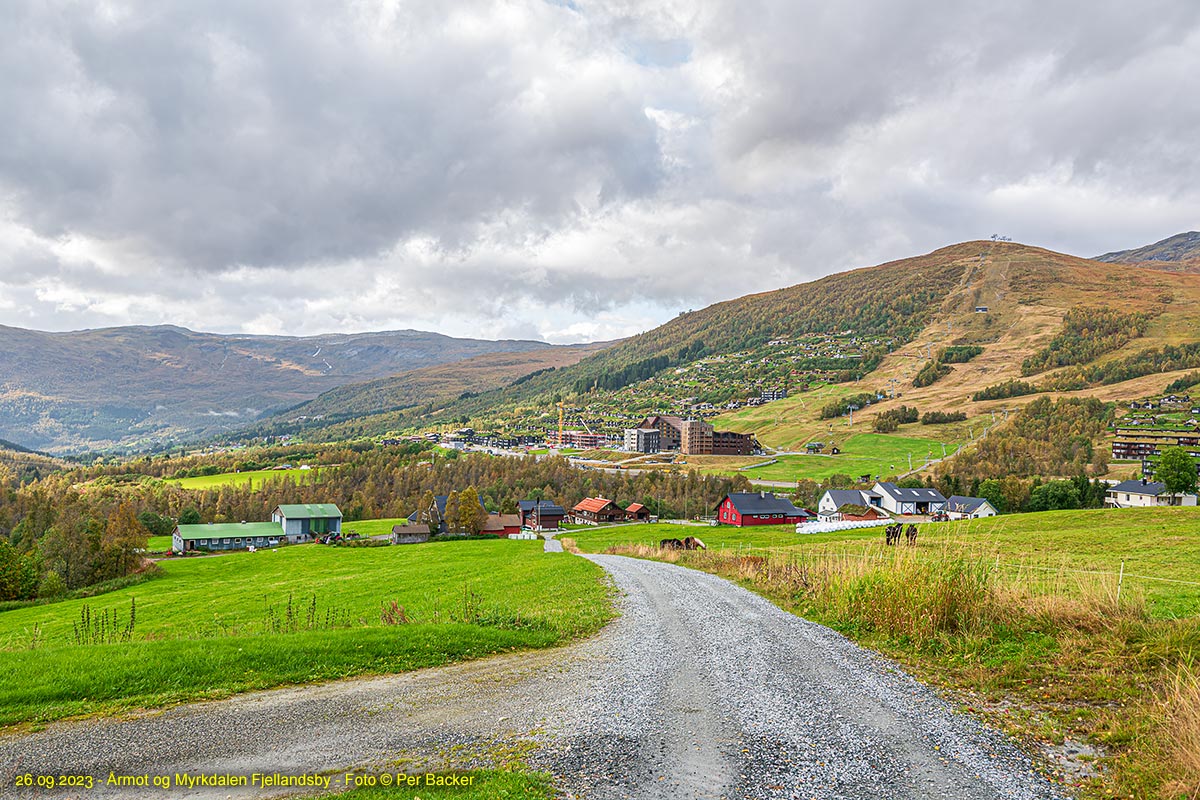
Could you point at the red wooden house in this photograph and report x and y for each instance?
(637, 512)
(759, 508)
(596, 510)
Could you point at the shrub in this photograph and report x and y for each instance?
(942, 417)
(958, 353)
(930, 373)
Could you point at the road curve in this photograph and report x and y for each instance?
(700, 690)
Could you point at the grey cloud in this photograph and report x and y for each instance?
(481, 167)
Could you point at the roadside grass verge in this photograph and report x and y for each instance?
(210, 627)
(1042, 648)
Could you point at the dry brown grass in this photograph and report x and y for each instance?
(1183, 715)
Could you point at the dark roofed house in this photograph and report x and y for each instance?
(1142, 493)
(759, 508)
(960, 507)
(909, 502)
(830, 505)
(542, 515)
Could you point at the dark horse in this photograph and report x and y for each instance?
(671, 544)
(892, 533)
(692, 543)
(911, 534)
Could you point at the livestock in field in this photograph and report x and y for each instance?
(911, 534)
(692, 543)
(671, 544)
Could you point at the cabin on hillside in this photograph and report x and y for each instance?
(304, 522)
(759, 508)
(540, 515)
(228, 536)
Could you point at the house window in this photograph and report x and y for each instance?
(204, 541)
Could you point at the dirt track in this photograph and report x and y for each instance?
(700, 690)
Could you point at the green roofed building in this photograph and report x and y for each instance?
(304, 522)
(230, 536)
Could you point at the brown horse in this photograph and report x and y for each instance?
(692, 543)
(911, 534)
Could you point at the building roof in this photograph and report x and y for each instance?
(230, 530)
(856, 497)
(544, 507)
(401, 530)
(966, 505)
(309, 510)
(1151, 488)
(593, 504)
(498, 522)
(921, 495)
(634, 508)
(764, 503)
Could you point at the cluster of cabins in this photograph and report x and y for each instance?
(602, 511)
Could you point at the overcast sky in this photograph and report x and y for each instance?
(563, 171)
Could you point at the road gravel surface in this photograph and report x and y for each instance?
(700, 689)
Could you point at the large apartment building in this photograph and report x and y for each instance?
(695, 437)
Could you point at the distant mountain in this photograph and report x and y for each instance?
(136, 386)
(368, 408)
(1178, 253)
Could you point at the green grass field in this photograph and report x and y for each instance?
(213, 626)
(255, 478)
(882, 454)
(591, 539)
(158, 544)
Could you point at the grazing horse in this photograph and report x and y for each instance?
(911, 534)
(671, 544)
(892, 533)
(692, 543)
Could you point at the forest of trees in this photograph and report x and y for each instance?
(1010, 388)
(839, 408)
(1148, 362)
(888, 421)
(958, 353)
(1087, 333)
(84, 525)
(930, 373)
(942, 417)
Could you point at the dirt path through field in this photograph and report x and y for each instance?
(700, 690)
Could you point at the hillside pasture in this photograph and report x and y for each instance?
(251, 477)
(213, 626)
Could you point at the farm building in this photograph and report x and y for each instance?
(834, 499)
(959, 507)
(909, 502)
(540, 515)
(638, 512)
(230, 536)
(303, 522)
(596, 510)
(1142, 493)
(502, 525)
(759, 508)
(410, 534)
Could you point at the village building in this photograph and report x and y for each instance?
(540, 515)
(643, 440)
(437, 513)
(669, 427)
(227, 536)
(596, 511)
(502, 525)
(834, 499)
(759, 508)
(960, 507)
(410, 534)
(304, 522)
(637, 513)
(1139, 444)
(909, 502)
(1144, 493)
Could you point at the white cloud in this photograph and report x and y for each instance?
(565, 171)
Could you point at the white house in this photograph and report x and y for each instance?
(1143, 493)
(909, 501)
(959, 507)
(833, 499)
(303, 522)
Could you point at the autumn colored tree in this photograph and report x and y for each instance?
(471, 517)
(121, 542)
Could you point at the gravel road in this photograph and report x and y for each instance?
(700, 690)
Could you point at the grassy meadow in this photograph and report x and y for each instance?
(1020, 617)
(252, 477)
(212, 626)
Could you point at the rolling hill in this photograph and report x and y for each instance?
(136, 386)
(1066, 325)
(1178, 253)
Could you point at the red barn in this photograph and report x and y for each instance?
(759, 508)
